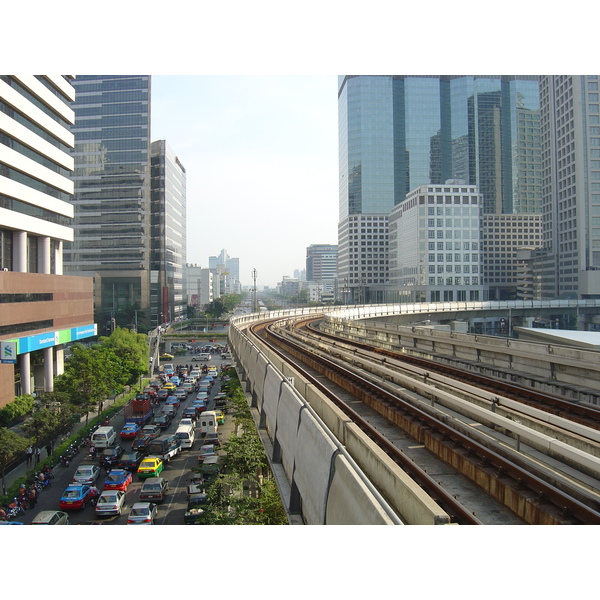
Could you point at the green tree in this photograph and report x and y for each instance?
(46, 424)
(131, 350)
(11, 445)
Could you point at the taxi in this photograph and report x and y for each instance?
(118, 479)
(129, 431)
(151, 466)
(166, 356)
(169, 386)
(220, 417)
(76, 496)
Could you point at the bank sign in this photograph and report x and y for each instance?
(8, 352)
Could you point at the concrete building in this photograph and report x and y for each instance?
(199, 285)
(435, 245)
(570, 131)
(321, 263)
(42, 309)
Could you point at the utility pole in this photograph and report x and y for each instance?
(254, 302)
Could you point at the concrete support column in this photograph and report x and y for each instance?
(20, 251)
(44, 255)
(59, 356)
(25, 373)
(58, 258)
(48, 369)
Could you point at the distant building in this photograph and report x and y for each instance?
(226, 271)
(42, 309)
(199, 285)
(321, 262)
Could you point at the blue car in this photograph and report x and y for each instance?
(129, 431)
(76, 496)
(174, 400)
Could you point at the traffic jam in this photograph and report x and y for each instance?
(152, 462)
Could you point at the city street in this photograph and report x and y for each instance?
(177, 471)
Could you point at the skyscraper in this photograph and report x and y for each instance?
(321, 262)
(168, 240)
(42, 309)
(112, 195)
(397, 133)
(570, 129)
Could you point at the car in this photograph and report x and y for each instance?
(169, 386)
(188, 386)
(220, 416)
(175, 380)
(170, 410)
(130, 461)
(142, 513)
(194, 507)
(197, 358)
(51, 517)
(129, 431)
(202, 396)
(140, 442)
(174, 400)
(166, 356)
(151, 430)
(156, 384)
(76, 496)
(190, 412)
(110, 502)
(213, 369)
(118, 479)
(181, 393)
(154, 489)
(169, 371)
(110, 456)
(151, 466)
(186, 422)
(163, 394)
(86, 474)
(163, 420)
(206, 451)
(212, 438)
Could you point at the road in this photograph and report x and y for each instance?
(176, 471)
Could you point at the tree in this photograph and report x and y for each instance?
(11, 445)
(132, 351)
(45, 425)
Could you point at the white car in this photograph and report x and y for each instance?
(86, 474)
(110, 502)
(142, 513)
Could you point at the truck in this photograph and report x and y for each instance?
(139, 410)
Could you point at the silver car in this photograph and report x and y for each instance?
(142, 513)
(86, 474)
(110, 502)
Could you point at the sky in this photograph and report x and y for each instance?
(261, 160)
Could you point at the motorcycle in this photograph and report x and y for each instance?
(65, 460)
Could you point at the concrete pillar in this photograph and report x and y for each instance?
(59, 355)
(26, 373)
(58, 257)
(44, 255)
(48, 369)
(20, 251)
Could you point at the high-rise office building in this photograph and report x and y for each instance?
(112, 196)
(168, 241)
(397, 133)
(570, 130)
(321, 262)
(42, 309)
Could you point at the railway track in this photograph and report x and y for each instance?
(528, 496)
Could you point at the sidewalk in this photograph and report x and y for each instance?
(23, 468)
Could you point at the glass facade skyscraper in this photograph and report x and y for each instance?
(112, 194)
(398, 132)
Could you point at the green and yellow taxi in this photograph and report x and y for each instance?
(220, 417)
(166, 356)
(151, 466)
(169, 386)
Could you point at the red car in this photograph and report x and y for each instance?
(129, 431)
(118, 479)
(76, 496)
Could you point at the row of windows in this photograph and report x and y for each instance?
(17, 328)
(11, 298)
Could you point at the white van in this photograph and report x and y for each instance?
(186, 435)
(104, 437)
(208, 422)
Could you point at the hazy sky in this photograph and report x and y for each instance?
(261, 159)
